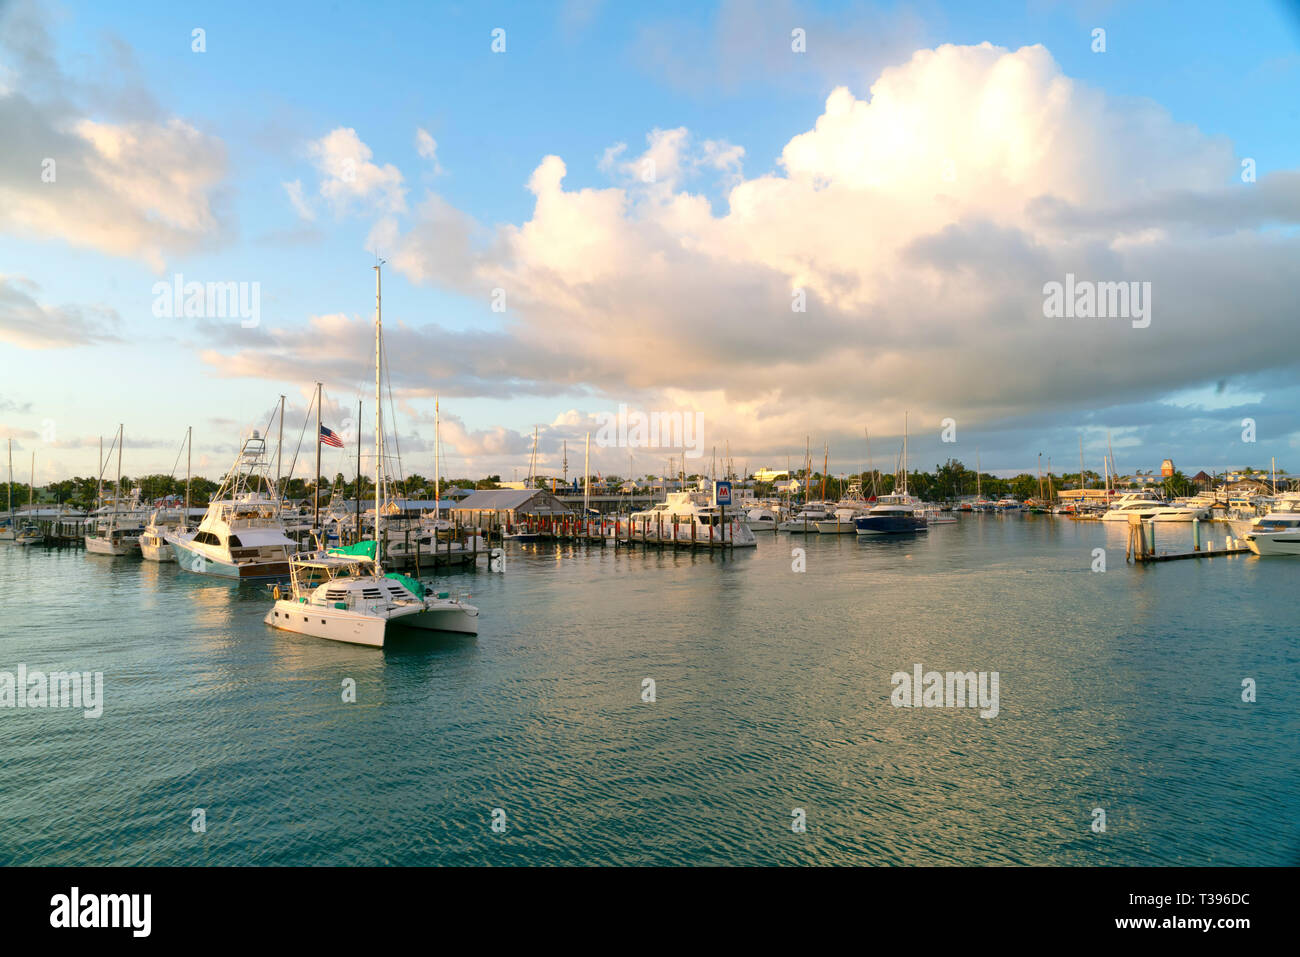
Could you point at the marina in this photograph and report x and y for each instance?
(585, 435)
(1115, 687)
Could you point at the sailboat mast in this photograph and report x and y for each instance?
(978, 494)
(11, 486)
(117, 486)
(586, 477)
(904, 453)
(315, 522)
(31, 488)
(189, 455)
(1081, 467)
(359, 481)
(379, 425)
(437, 461)
(279, 447)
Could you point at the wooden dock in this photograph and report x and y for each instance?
(1142, 545)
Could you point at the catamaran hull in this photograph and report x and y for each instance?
(328, 623)
(334, 624)
(193, 560)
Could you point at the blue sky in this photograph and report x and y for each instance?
(575, 79)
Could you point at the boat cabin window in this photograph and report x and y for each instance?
(234, 542)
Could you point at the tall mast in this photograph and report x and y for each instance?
(315, 522)
(359, 482)
(189, 455)
(437, 461)
(1040, 475)
(978, 493)
(99, 489)
(117, 487)
(826, 464)
(1081, 466)
(279, 445)
(871, 465)
(566, 461)
(379, 424)
(904, 453)
(31, 488)
(586, 477)
(11, 487)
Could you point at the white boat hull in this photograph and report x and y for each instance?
(370, 630)
(102, 546)
(1278, 543)
(833, 527)
(157, 553)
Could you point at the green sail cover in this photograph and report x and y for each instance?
(359, 550)
(409, 583)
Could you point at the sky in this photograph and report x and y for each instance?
(793, 223)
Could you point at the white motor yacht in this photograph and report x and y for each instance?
(1278, 531)
(690, 517)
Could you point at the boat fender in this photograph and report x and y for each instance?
(275, 592)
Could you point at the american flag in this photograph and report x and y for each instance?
(330, 437)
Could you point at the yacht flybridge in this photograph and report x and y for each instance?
(344, 594)
(241, 536)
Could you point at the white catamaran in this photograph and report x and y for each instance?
(344, 594)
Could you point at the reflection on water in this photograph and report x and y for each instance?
(1119, 690)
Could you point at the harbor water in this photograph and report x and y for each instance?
(223, 741)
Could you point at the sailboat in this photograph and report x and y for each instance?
(118, 533)
(154, 546)
(29, 532)
(344, 594)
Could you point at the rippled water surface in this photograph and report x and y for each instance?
(1118, 690)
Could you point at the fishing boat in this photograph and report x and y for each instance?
(344, 594)
(1278, 531)
(691, 517)
(847, 510)
(241, 535)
